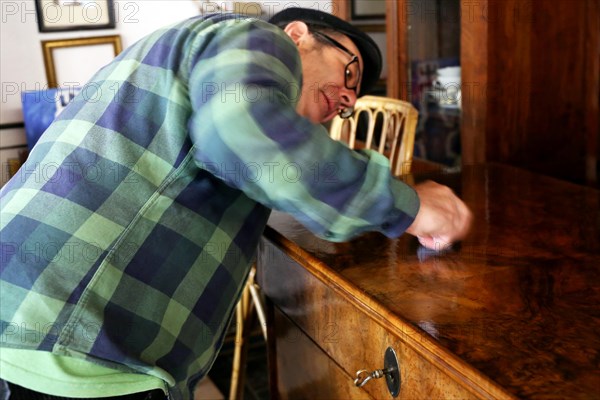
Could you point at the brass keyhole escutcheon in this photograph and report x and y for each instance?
(391, 371)
(392, 377)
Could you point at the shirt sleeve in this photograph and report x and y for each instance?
(244, 86)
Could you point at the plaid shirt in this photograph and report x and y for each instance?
(128, 234)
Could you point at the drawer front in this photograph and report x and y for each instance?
(304, 371)
(346, 334)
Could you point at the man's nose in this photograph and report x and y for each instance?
(347, 97)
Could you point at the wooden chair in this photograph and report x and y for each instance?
(389, 127)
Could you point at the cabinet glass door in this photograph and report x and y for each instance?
(434, 71)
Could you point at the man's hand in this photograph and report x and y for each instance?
(442, 219)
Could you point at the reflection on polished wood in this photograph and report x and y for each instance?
(512, 311)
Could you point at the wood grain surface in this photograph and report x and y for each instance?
(513, 310)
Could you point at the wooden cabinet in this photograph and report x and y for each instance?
(511, 312)
(533, 85)
(323, 333)
(530, 80)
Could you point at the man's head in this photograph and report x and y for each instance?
(339, 62)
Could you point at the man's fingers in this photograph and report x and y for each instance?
(442, 219)
(435, 243)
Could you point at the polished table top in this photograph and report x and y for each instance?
(518, 300)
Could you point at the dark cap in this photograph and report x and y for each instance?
(368, 48)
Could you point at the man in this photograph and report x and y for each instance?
(121, 267)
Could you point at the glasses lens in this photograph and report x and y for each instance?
(352, 74)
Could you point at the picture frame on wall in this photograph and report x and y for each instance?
(62, 58)
(367, 9)
(74, 15)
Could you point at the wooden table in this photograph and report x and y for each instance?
(511, 312)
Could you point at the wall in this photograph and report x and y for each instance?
(22, 64)
(20, 49)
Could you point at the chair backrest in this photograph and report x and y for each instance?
(390, 129)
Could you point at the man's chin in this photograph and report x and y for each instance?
(317, 118)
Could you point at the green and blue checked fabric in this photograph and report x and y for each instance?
(128, 234)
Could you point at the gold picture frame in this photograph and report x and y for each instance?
(49, 46)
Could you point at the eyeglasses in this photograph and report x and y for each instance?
(351, 70)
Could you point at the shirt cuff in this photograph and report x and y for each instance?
(407, 204)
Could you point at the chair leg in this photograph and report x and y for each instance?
(236, 391)
(250, 301)
(260, 312)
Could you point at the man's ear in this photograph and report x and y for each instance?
(297, 30)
